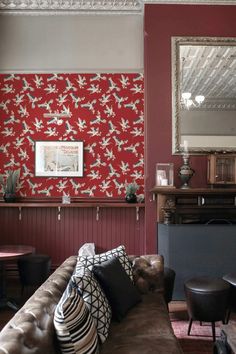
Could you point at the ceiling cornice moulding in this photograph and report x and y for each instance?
(72, 7)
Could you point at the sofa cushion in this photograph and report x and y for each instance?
(96, 301)
(119, 252)
(120, 291)
(146, 329)
(75, 328)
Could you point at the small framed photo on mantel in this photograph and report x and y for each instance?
(165, 175)
(59, 159)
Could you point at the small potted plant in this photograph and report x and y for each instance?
(131, 190)
(9, 184)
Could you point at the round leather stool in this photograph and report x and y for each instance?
(207, 300)
(34, 269)
(231, 279)
(169, 281)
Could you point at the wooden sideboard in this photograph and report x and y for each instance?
(195, 205)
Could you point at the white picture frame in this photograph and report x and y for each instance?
(58, 158)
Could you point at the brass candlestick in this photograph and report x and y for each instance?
(185, 172)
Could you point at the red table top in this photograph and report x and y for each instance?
(14, 251)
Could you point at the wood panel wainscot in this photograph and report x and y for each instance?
(60, 229)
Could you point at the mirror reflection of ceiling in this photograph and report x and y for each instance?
(209, 71)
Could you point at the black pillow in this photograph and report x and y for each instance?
(120, 291)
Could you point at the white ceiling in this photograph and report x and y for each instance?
(91, 6)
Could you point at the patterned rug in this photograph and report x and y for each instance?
(200, 339)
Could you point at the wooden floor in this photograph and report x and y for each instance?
(13, 292)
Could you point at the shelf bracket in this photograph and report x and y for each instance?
(97, 213)
(137, 213)
(20, 214)
(59, 213)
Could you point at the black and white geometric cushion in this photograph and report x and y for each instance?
(96, 301)
(74, 325)
(90, 261)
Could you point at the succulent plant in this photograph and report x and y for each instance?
(131, 188)
(9, 181)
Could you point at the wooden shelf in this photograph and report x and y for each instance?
(176, 205)
(97, 204)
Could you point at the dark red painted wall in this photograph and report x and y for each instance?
(161, 23)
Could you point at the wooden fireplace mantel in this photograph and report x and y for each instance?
(178, 206)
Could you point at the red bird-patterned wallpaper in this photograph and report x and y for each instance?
(105, 111)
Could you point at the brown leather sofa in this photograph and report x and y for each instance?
(146, 328)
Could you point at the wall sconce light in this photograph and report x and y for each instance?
(57, 117)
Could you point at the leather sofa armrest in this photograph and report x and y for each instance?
(148, 272)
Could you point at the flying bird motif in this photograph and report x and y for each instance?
(105, 142)
(38, 124)
(94, 89)
(26, 171)
(55, 77)
(69, 86)
(105, 99)
(4, 104)
(98, 77)
(109, 111)
(8, 132)
(11, 119)
(11, 77)
(23, 155)
(18, 142)
(112, 85)
(33, 186)
(4, 149)
(33, 99)
(76, 186)
(119, 100)
(51, 132)
(76, 99)
(98, 119)
(7, 89)
(51, 89)
(18, 99)
(81, 81)
(26, 86)
(81, 124)
(23, 111)
(89, 105)
(133, 105)
(124, 81)
(89, 191)
(38, 81)
(46, 191)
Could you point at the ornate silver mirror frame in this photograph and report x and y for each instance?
(203, 94)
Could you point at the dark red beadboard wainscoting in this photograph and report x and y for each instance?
(60, 230)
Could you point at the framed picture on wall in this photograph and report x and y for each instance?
(58, 158)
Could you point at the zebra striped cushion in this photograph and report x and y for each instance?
(75, 328)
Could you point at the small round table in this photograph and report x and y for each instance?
(8, 253)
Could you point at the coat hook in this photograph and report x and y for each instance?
(59, 213)
(137, 213)
(97, 213)
(20, 215)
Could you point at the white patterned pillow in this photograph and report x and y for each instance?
(96, 301)
(90, 261)
(74, 325)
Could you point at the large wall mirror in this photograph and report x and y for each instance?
(203, 94)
